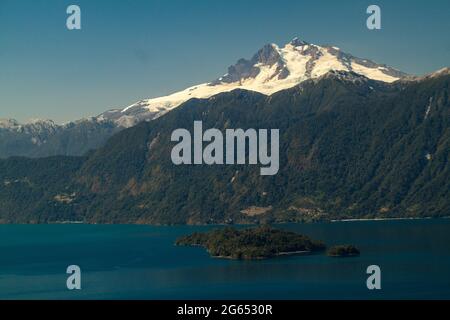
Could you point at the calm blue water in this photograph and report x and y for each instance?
(140, 262)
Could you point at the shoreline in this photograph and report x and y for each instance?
(279, 254)
(386, 219)
(223, 224)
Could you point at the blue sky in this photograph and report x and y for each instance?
(129, 50)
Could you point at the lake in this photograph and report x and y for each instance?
(141, 262)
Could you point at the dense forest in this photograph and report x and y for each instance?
(253, 243)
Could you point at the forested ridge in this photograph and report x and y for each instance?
(349, 148)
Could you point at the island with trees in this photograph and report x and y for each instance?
(253, 243)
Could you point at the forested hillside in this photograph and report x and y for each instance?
(350, 147)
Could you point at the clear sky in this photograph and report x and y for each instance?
(135, 49)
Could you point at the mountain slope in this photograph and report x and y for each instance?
(350, 147)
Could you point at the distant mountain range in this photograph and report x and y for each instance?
(351, 146)
(43, 138)
(270, 70)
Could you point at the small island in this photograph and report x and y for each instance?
(343, 251)
(254, 243)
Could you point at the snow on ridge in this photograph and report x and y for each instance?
(299, 61)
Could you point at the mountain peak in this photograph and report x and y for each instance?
(345, 76)
(441, 72)
(38, 121)
(267, 55)
(296, 42)
(8, 123)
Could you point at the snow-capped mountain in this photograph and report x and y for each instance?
(34, 126)
(270, 70)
